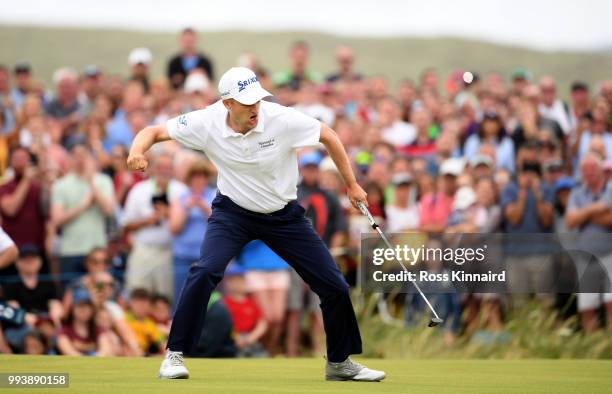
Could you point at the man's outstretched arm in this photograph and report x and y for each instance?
(143, 141)
(332, 143)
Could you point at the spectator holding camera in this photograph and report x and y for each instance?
(528, 208)
(146, 217)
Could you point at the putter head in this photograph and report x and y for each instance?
(434, 322)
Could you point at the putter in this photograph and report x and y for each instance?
(364, 210)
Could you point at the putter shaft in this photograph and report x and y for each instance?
(364, 210)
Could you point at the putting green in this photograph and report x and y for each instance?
(138, 375)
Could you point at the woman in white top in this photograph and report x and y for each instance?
(402, 215)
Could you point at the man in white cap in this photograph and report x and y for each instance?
(139, 61)
(253, 144)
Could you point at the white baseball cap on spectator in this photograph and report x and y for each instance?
(327, 164)
(241, 84)
(481, 160)
(196, 82)
(140, 56)
(65, 73)
(401, 179)
(452, 167)
(464, 198)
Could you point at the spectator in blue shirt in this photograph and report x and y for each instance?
(589, 211)
(528, 208)
(119, 130)
(189, 215)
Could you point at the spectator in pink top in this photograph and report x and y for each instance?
(436, 206)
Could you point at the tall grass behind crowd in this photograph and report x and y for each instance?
(530, 332)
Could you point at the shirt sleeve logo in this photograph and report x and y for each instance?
(182, 121)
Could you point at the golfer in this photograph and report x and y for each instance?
(253, 144)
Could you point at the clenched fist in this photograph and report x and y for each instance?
(137, 162)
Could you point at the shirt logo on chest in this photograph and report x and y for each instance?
(266, 144)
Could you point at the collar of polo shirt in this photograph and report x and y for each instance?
(227, 131)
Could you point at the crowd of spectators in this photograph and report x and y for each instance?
(93, 256)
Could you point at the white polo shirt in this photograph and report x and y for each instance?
(257, 170)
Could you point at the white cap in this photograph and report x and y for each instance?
(140, 55)
(481, 159)
(327, 164)
(452, 167)
(402, 178)
(464, 198)
(196, 82)
(241, 84)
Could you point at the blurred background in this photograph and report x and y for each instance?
(475, 116)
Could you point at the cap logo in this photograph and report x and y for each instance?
(243, 84)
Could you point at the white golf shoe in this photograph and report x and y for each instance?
(173, 367)
(351, 370)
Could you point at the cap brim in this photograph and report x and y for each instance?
(481, 163)
(251, 96)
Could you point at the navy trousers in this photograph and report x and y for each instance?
(288, 233)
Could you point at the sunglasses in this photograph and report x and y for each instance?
(100, 285)
(546, 144)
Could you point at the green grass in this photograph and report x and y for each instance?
(137, 375)
(396, 57)
(532, 331)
